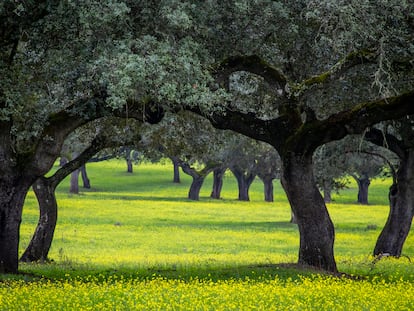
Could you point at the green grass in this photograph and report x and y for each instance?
(134, 241)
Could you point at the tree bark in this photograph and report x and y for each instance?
(41, 241)
(85, 179)
(176, 166)
(268, 189)
(128, 160)
(13, 190)
(327, 191)
(194, 192)
(198, 178)
(44, 189)
(74, 182)
(401, 196)
(244, 181)
(218, 175)
(315, 226)
(130, 168)
(363, 185)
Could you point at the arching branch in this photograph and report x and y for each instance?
(386, 140)
(344, 64)
(253, 64)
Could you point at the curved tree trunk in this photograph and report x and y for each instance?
(198, 178)
(85, 179)
(44, 189)
(315, 226)
(244, 181)
(401, 196)
(194, 192)
(41, 241)
(218, 175)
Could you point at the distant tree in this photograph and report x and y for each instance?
(351, 156)
(191, 142)
(218, 175)
(268, 167)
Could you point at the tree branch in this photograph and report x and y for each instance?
(254, 64)
(353, 121)
(349, 61)
(101, 141)
(386, 140)
(249, 125)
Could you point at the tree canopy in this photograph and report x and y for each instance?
(319, 69)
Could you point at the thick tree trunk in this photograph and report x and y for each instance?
(176, 165)
(401, 196)
(74, 182)
(194, 192)
(41, 241)
(243, 181)
(363, 185)
(315, 226)
(85, 179)
(268, 189)
(218, 175)
(198, 179)
(12, 195)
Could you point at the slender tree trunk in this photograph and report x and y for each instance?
(176, 165)
(268, 189)
(74, 182)
(62, 161)
(130, 167)
(401, 196)
(327, 191)
(194, 192)
(218, 175)
(315, 226)
(363, 185)
(243, 181)
(41, 241)
(13, 190)
(85, 179)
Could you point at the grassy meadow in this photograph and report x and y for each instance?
(134, 242)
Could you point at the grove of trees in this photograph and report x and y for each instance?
(293, 74)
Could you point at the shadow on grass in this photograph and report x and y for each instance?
(206, 272)
(230, 225)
